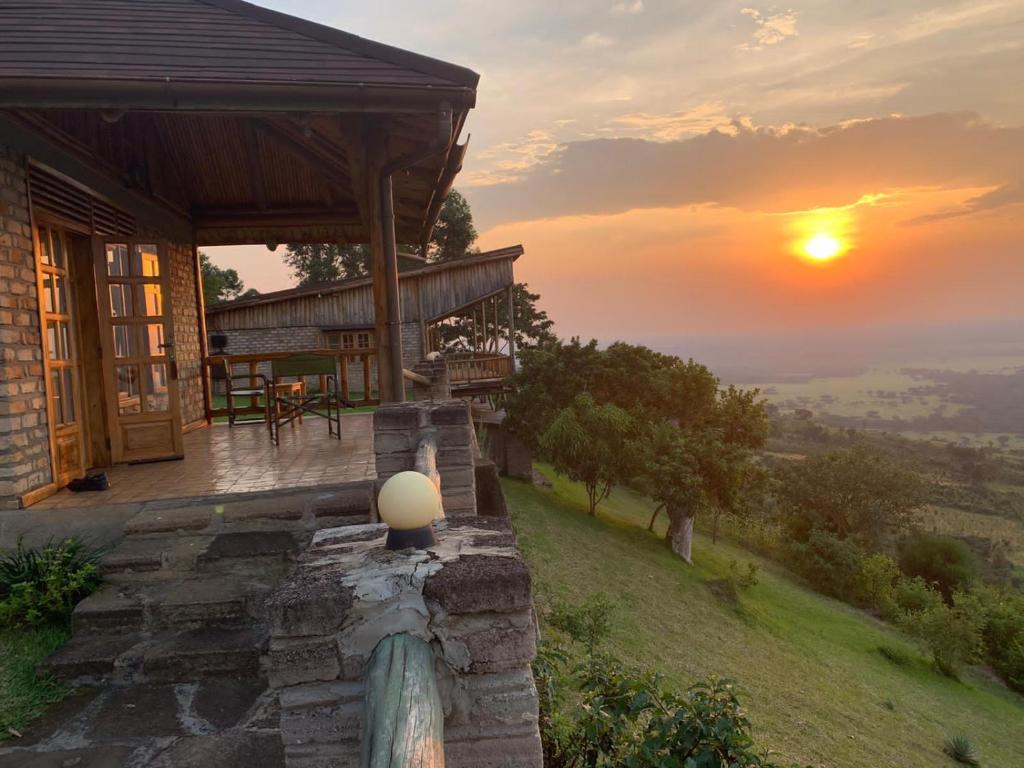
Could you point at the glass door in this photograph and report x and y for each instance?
(137, 336)
(62, 366)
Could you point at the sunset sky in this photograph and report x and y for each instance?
(664, 163)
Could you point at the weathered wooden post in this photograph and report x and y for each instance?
(404, 725)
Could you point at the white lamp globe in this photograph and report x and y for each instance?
(409, 500)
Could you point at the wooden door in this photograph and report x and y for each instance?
(137, 335)
(61, 354)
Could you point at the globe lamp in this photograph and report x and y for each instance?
(409, 502)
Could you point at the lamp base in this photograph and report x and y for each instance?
(416, 538)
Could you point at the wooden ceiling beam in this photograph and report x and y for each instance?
(221, 218)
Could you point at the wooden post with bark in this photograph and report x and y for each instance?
(404, 726)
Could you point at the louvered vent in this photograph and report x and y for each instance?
(75, 204)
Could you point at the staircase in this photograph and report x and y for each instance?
(180, 620)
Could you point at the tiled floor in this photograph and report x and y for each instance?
(222, 459)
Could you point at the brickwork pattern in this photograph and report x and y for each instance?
(397, 429)
(24, 437)
(185, 315)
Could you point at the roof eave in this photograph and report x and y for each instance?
(170, 95)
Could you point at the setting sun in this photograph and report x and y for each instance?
(823, 247)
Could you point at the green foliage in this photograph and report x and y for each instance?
(874, 584)
(962, 750)
(313, 263)
(1002, 630)
(590, 443)
(42, 585)
(851, 494)
(24, 694)
(913, 595)
(896, 655)
(597, 713)
(943, 562)
(744, 578)
(952, 634)
(454, 233)
(829, 564)
(218, 284)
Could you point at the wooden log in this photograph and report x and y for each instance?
(404, 726)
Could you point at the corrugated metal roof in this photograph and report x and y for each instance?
(212, 41)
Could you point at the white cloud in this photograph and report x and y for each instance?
(772, 28)
(627, 8)
(596, 40)
(673, 126)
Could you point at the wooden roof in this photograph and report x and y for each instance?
(202, 41)
(510, 253)
(249, 124)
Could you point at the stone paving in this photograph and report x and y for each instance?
(241, 459)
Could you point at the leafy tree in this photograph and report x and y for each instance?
(218, 284)
(325, 262)
(953, 634)
(852, 493)
(946, 564)
(532, 324)
(454, 234)
(590, 443)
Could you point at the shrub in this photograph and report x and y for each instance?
(944, 562)
(874, 584)
(1002, 618)
(744, 578)
(588, 623)
(952, 634)
(896, 655)
(41, 585)
(829, 564)
(962, 750)
(913, 595)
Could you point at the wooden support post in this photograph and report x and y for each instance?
(204, 351)
(382, 235)
(512, 326)
(404, 725)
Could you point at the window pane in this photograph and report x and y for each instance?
(146, 261)
(156, 387)
(124, 345)
(152, 300)
(55, 397)
(65, 340)
(117, 260)
(69, 396)
(127, 389)
(52, 340)
(121, 304)
(45, 254)
(152, 338)
(48, 292)
(58, 251)
(60, 291)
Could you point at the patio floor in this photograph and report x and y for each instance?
(222, 459)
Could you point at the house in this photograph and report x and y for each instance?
(132, 133)
(338, 316)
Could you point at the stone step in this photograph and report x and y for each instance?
(170, 656)
(198, 653)
(214, 600)
(286, 509)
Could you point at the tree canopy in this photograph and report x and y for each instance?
(219, 284)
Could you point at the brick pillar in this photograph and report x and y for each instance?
(397, 429)
(24, 435)
(437, 371)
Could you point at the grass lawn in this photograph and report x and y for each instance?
(820, 692)
(23, 697)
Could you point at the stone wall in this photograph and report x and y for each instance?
(469, 597)
(185, 315)
(24, 437)
(397, 429)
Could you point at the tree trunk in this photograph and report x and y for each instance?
(654, 516)
(680, 532)
(714, 528)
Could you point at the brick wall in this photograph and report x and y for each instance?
(185, 315)
(24, 439)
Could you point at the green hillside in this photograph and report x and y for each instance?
(820, 692)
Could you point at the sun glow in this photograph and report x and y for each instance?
(823, 247)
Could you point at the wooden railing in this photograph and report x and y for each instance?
(360, 392)
(469, 367)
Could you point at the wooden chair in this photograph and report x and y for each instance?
(286, 406)
(251, 392)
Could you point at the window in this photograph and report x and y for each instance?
(349, 340)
